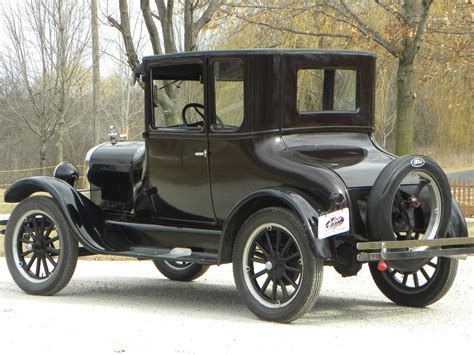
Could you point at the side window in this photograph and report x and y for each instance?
(310, 90)
(178, 96)
(345, 90)
(229, 94)
(326, 90)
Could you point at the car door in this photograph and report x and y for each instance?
(177, 144)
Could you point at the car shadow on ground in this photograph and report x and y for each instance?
(201, 299)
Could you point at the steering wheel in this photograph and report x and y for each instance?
(196, 107)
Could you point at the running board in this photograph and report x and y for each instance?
(393, 250)
(175, 254)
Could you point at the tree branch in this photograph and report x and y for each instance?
(369, 31)
(151, 27)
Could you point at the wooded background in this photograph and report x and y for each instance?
(65, 64)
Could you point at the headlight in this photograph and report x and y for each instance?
(68, 172)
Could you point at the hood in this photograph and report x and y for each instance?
(352, 156)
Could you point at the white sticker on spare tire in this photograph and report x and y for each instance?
(417, 162)
(333, 223)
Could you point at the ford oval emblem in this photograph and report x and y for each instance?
(417, 162)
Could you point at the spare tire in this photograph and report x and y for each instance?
(432, 204)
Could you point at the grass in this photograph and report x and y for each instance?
(5, 208)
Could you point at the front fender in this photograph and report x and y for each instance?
(288, 197)
(84, 217)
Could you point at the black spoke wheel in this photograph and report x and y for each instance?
(180, 270)
(41, 254)
(417, 288)
(275, 270)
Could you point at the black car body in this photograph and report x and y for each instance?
(208, 165)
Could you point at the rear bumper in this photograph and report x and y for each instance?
(415, 249)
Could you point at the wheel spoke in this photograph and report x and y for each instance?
(263, 250)
(265, 284)
(278, 239)
(32, 260)
(290, 268)
(292, 256)
(415, 280)
(286, 246)
(425, 274)
(405, 279)
(50, 229)
(284, 290)
(38, 266)
(259, 255)
(25, 253)
(51, 260)
(26, 241)
(53, 251)
(45, 266)
(260, 273)
(52, 240)
(35, 224)
(432, 264)
(269, 242)
(274, 291)
(287, 278)
(258, 260)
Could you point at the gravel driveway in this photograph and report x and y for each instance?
(128, 307)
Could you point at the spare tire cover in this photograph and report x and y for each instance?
(382, 194)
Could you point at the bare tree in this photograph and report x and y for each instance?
(47, 43)
(26, 70)
(196, 14)
(95, 71)
(67, 48)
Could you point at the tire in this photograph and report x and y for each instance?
(40, 250)
(382, 195)
(286, 260)
(180, 271)
(396, 286)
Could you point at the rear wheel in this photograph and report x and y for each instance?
(411, 200)
(180, 270)
(40, 251)
(418, 288)
(275, 271)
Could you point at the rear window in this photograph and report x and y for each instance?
(321, 90)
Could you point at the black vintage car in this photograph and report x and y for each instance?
(262, 158)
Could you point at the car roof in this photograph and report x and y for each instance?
(260, 51)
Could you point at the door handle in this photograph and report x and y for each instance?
(202, 154)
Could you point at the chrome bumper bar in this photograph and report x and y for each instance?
(415, 249)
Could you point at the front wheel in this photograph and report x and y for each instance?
(418, 288)
(40, 250)
(275, 271)
(180, 270)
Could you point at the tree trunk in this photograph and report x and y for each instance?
(43, 157)
(95, 73)
(60, 129)
(405, 109)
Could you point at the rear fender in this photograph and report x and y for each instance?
(287, 197)
(457, 227)
(85, 219)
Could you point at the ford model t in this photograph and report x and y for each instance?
(265, 159)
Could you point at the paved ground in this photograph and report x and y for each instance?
(127, 307)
